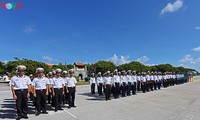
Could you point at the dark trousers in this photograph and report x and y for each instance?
(155, 84)
(143, 87)
(129, 88)
(116, 90)
(65, 97)
(123, 89)
(151, 85)
(21, 102)
(58, 97)
(41, 100)
(107, 91)
(93, 88)
(71, 97)
(100, 88)
(134, 88)
(147, 86)
(164, 83)
(49, 98)
(159, 84)
(138, 86)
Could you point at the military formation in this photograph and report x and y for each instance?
(127, 83)
(56, 88)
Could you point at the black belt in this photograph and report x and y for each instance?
(71, 87)
(41, 90)
(21, 90)
(58, 88)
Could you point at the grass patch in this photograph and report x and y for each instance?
(82, 83)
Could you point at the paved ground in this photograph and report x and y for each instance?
(174, 103)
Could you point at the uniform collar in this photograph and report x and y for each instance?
(21, 77)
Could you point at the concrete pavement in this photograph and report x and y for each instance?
(180, 102)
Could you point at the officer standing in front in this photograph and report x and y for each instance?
(20, 86)
(58, 89)
(116, 84)
(66, 95)
(71, 88)
(40, 91)
(92, 83)
(100, 84)
(107, 85)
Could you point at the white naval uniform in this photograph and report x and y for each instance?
(100, 85)
(71, 85)
(40, 83)
(20, 82)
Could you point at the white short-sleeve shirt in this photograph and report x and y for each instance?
(71, 82)
(20, 82)
(99, 80)
(40, 83)
(58, 82)
(107, 80)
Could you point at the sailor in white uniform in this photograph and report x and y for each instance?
(21, 86)
(40, 91)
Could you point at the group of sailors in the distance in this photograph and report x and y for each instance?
(127, 83)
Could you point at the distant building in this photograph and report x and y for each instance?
(50, 65)
(80, 70)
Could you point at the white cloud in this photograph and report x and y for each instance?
(143, 59)
(197, 27)
(196, 61)
(29, 29)
(196, 49)
(119, 60)
(172, 7)
(5, 61)
(186, 58)
(48, 58)
(190, 62)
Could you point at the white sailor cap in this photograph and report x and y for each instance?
(71, 71)
(134, 71)
(54, 72)
(58, 70)
(108, 72)
(39, 70)
(93, 74)
(115, 70)
(129, 71)
(21, 67)
(99, 73)
(64, 72)
(50, 73)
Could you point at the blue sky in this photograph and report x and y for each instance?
(149, 31)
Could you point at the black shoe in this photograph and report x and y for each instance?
(19, 117)
(44, 112)
(73, 106)
(60, 109)
(69, 107)
(36, 114)
(56, 110)
(25, 116)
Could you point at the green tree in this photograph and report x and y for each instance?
(103, 66)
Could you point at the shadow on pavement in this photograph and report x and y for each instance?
(93, 97)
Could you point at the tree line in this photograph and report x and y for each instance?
(9, 68)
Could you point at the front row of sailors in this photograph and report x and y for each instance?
(55, 87)
(128, 83)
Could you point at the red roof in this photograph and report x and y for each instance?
(79, 64)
